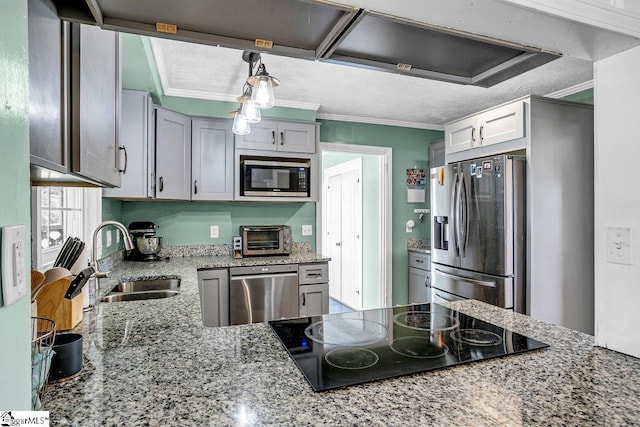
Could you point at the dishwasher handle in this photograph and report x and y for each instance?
(263, 276)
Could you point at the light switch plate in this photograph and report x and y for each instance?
(14, 280)
(307, 230)
(215, 232)
(619, 245)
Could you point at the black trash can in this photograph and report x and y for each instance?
(67, 359)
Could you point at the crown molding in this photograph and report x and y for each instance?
(591, 12)
(201, 94)
(571, 90)
(377, 121)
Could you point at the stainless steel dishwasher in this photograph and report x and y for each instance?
(262, 293)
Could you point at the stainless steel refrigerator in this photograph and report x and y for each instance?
(479, 229)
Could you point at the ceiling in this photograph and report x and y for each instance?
(207, 70)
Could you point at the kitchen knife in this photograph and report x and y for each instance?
(77, 249)
(63, 252)
(64, 261)
(76, 285)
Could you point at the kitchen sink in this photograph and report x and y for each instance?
(138, 290)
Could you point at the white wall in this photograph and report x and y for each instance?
(617, 198)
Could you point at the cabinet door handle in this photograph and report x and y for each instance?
(473, 134)
(304, 299)
(161, 184)
(273, 137)
(427, 281)
(481, 132)
(281, 138)
(126, 159)
(195, 187)
(419, 260)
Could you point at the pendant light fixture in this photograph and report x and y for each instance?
(257, 94)
(263, 85)
(240, 124)
(249, 109)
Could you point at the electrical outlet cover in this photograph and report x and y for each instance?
(619, 245)
(14, 281)
(307, 230)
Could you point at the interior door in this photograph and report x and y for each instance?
(344, 230)
(334, 235)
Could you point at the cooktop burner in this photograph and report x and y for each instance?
(342, 349)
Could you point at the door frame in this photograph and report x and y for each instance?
(385, 173)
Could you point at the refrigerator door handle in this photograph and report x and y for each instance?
(454, 214)
(464, 216)
(466, 279)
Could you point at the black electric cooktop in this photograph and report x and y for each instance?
(342, 349)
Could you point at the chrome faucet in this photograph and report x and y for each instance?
(128, 244)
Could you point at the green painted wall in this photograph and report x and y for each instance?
(188, 223)
(410, 149)
(370, 222)
(15, 324)
(111, 211)
(586, 97)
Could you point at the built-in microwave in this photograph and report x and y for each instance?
(265, 240)
(279, 177)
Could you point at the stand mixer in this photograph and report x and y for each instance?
(146, 244)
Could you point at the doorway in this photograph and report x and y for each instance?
(354, 220)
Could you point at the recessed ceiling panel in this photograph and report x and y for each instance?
(388, 41)
(284, 22)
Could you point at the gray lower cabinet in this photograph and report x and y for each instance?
(137, 148)
(419, 277)
(314, 299)
(313, 290)
(212, 159)
(173, 155)
(213, 286)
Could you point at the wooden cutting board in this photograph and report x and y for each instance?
(52, 304)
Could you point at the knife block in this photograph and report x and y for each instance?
(52, 305)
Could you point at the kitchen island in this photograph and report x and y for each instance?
(153, 363)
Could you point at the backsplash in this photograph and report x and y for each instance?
(109, 262)
(416, 243)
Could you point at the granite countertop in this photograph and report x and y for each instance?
(153, 363)
(422, 250)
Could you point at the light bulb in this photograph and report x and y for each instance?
(262, 94)
(250, 111)
(240, 124)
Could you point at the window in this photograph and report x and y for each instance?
(59, 213)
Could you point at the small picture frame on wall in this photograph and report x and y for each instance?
(416, 184)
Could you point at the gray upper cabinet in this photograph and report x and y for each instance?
(436, 154)
(297, 137)
(212, 159)
(261, 137)
(173, 155)
(137, 148)
(95, 89)
(271, 135)
(47, 87)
